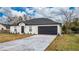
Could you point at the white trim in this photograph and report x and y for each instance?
(22, 24)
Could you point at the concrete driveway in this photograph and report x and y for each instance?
(33, 43)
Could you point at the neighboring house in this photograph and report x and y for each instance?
(37, 26)
(4, 27)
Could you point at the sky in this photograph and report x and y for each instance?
(35, 12)
(27, 10)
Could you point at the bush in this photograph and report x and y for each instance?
(4, 31)
(75, 29)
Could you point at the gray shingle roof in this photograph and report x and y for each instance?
(40, 21)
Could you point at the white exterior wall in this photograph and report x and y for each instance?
(18, 29)
(34, 29)
(59, 29)
(12, 29)
(26, 30)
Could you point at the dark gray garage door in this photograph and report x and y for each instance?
(52, 30)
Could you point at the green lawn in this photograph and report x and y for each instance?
(9, 37)
(65, 43)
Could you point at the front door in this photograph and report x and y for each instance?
(22, 29)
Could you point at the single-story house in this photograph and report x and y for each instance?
(2, 27)
(37, 26)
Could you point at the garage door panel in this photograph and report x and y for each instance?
(47, 30)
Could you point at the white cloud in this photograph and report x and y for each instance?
(9, 12)
(16, 13)
(6, 10)
(40, 12)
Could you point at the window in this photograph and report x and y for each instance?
(2, 28)
(15, 30)
(30, 28)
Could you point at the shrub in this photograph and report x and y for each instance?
(4, 31)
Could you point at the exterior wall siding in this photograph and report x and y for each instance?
(18, 29)
(12, 29)
(34, 29)
(26, 30)
(59, 29)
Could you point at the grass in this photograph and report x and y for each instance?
(65, 43)
(10, 37)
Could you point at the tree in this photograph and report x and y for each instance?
(68, 18)
(75, 25)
